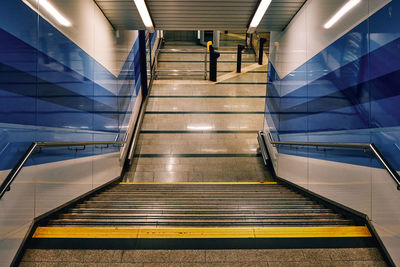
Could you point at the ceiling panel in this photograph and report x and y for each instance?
(199, 15)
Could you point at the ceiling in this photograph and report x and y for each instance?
(200, 15)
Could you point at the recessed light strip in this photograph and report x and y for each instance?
(50, 9)
(261, 9)
(54, 12)
(346, 8)
(144, 14)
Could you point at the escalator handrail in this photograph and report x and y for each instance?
(5, 186)
(366, 146)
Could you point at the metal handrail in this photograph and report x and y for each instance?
(154, 66)
(366, 146)
(5, 186)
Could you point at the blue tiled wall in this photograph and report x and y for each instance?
(52, 90)
(355, 102)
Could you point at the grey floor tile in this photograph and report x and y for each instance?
(102, 256)
(315, 255)
(209, 169)
(195, 177)
(27, 264)
(53, 255)
(165, 168)
(280, 255)
(249, 77)
(357, 264)
(298, 264)
(206, 104)
(161, 264)
(231, 255)
(67, 264)
(145, 256)
(59, 264)
(165, 177)
(174, 264)
(187, 256)
(208, 90)
(202, 122)
(237, 264)
(143, 176)
(355, 254)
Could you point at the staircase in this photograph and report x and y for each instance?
(201, 224)
(199, 205)
(190, 61)
(198, 193)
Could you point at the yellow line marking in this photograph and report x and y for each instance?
(328, 231)
(270, 232)
(206, 183)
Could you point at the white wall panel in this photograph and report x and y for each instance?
(291, 48)
(319, 12)
(123, 47)
(59, 182)
(105, 167)
(385, 201)
(308, 25)
(10, 243)
(17, 205)
(346, 184)
(391, 241)
(41, 188)
(293, 169)
(91, 31)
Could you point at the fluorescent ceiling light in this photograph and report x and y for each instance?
(144, 14)
(261, 9)
(54, 12)
(346, 8)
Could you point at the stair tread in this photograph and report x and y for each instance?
(185, 205)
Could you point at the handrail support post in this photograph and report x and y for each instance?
(205, 63)
(239, 58)
(261, 51)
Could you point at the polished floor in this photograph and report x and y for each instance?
(200, 131)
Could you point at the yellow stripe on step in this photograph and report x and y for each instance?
(269, 232)
(207, 183)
